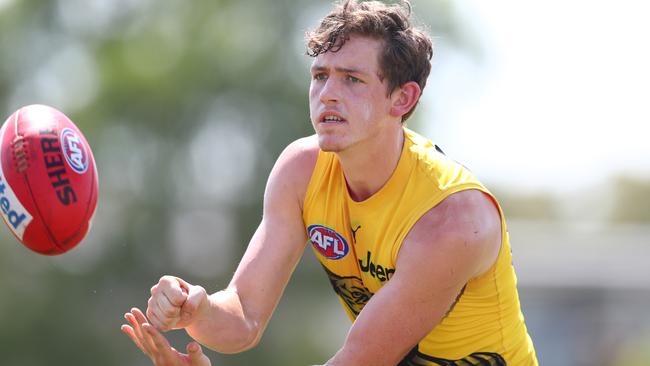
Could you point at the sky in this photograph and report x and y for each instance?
(557, 99)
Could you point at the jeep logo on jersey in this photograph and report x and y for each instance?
(74, 150)
(328, 242)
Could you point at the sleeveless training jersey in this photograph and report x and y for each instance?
(357, 243)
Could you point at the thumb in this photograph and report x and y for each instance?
(195, 299)
(195, 353)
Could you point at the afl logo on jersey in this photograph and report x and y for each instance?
(328, 242)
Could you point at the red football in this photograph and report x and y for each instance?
(48, 180)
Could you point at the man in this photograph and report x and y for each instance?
(415, 247)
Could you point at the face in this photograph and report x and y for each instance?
(348, 102)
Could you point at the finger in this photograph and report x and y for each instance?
(135, 326)
(128, 330)
(152, 310)
(185, 286)
(178, 292)
(156, 321)
(173, 288)
(139, 316)
(195, 353)
(167, 308)
(161, 346)
(141, 321)
(161, 313)
(172, 282)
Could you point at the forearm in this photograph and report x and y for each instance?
(223, 326)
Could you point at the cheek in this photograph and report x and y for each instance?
(374, 108)
(363, 105)
(314, 93)
(312, 89)
(366, 111)
(312, 96)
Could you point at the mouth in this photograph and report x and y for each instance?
(331, 118)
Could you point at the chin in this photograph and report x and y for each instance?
(329, 144)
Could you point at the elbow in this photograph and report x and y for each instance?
(251, 338)
(244, 340)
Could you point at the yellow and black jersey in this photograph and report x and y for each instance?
(357, 243)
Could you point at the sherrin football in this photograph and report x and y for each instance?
(48, 180)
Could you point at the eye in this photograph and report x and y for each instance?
(352, 79)
(320, 76)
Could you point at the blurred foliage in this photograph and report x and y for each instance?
(530, 206)
(186, 106)
(632, 200)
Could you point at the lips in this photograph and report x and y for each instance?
(330, 117)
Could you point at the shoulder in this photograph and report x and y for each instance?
(296, 162)
(300, 153)
(433, 163)
(294, 167)
(464, 228)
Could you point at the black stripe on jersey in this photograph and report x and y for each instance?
(417, 358)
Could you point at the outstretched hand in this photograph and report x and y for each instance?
(152, 343)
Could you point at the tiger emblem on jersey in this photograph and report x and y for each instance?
(351, 289)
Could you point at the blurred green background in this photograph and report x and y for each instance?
(188, 104)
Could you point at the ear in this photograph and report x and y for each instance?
(404, 98)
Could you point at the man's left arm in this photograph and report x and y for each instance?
(452, 243)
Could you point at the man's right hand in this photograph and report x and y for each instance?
(175, 304)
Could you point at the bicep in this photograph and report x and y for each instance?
(404, 311)
(447, 247)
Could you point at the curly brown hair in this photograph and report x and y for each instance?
(406, 55)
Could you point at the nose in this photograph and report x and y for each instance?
(329, 92)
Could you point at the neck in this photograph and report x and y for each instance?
(367, 168)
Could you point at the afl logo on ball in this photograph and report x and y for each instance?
(74, 150)
(328, 242)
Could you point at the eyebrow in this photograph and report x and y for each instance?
(346, 70)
